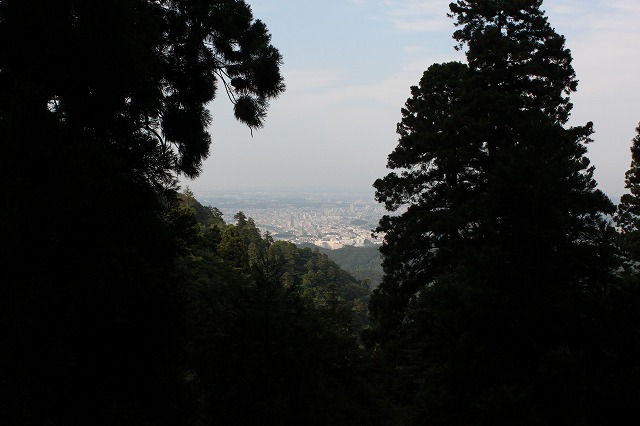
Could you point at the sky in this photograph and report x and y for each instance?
(349, 65)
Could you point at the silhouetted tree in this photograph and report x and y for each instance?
(628, 215)
(103, 103)
(138, 75)
(494, 274)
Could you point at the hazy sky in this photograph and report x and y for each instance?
(348, 67)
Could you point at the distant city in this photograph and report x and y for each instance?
(327, 219)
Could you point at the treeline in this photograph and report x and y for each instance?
(304, 271)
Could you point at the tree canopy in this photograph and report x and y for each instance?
(272, 332)
(137, 74)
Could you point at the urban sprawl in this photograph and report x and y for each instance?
(325, 219)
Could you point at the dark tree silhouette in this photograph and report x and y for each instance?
(138, 74)
(103, 103)
(628, 215)
(486, 311)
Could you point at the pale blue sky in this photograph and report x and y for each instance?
(349, 64)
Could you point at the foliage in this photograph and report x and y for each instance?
(628, 214)
(498, 275)
(623, 311)
(103, 103)
(517, 54)
(138, 76)
(363, 263)
(204, 215)
(91, 331)
(273, 338)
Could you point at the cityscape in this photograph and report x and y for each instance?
(326, 219)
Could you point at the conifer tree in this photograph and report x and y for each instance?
(232, 248)
(628, 215)
(623, 310)
(491, 270)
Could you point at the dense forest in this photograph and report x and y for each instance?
(510, 290)
(364, 263)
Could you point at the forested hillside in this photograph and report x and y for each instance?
(309, 271)
(272, 330)
(364, 263)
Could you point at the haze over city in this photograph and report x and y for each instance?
(349, 65)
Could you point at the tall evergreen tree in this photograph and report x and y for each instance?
(484, 314)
